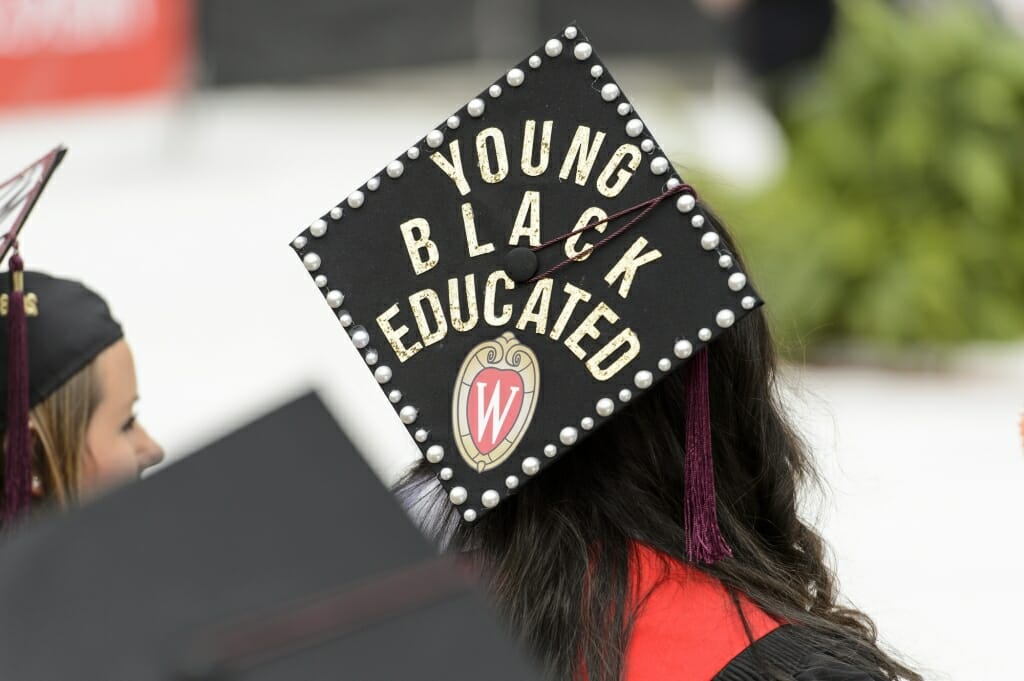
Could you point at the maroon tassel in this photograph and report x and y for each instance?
(704, 540)
(18, 455)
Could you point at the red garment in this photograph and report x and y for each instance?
(687, 627)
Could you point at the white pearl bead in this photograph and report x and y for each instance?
(625, 395)
(469, 515)
(725, 261)
(624, 109)
(435, 138)
(550, 450)
(605, 406)
(704, 334)
(395, 396)
(582, 51)
(494, 91)
(382, 374)
(360, 337)
(664, 364)
(453, 122)
(682, 349)
(587, 423)
(299, 242)
(356, 199)
(672, 183)
(335, 298)
(737, 280)
(647, 145)
(610, 92)
(568, 436)
(596, 71)
(490, 498)
(531, 465)
(458, 495)
(371, 357)
(709, 241)
(659, 166)
(336, 213)
(311, 261)
(725, 318)
(408, 414)
(685, 203)
(697, 221)
(373, 184)
(634, 127)
(476, 107)
(318, 228)
(321, 280)
(446, 473)
(534, 62)
(435, 453)
(413, 153)
(345, 318)
(395, 169)
(643, 379)
(515, 77)
(421, 435)
(511, 482)
(570, 32)
(748, 302)
(553, 47)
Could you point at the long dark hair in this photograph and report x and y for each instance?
(556, 556)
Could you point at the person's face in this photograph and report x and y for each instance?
(117, 447)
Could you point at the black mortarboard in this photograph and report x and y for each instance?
(502, 334)
(230, 565)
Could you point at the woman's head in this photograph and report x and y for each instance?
(557, 553)
(82, 390)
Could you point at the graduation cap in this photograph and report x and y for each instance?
(230, 565)
(521, 273)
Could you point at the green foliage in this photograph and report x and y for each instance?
(900, 217)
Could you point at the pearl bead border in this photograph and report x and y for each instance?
(568, 44)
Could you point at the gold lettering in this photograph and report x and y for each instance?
(626, 336)
(394, 335)
(453, 168)
(422, 323)
(530, 207)
(490, 290)
(629, 263)
(545, 148)
(489, 175)
(621, 176)
(571, 244)
(537, 307)
(455, 308)
(469, 223)
(575, 296)
(414, 244)
(588, 328)
(582, 154)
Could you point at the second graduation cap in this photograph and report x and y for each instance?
(526, 269)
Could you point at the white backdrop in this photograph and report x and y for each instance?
(181, 214)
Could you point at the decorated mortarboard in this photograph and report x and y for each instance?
(54, 328)
(523, 272)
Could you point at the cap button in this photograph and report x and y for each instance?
(521, 264)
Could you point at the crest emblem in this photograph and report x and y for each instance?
(494, 400)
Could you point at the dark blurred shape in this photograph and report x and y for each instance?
(775, 35)
(246, 41)
(272, 554)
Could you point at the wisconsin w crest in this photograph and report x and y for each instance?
(494, 399)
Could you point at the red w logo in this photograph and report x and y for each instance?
(495, 400)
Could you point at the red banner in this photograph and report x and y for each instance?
(60, 50)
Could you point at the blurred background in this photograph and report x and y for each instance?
(869, 155)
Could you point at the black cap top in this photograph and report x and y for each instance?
(501, 335)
